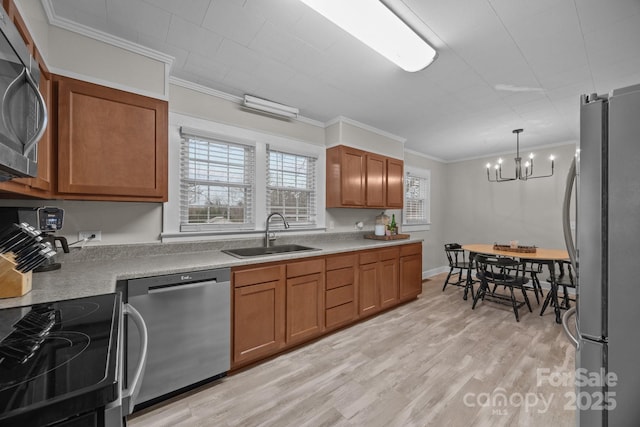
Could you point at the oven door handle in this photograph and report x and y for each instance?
(134, 387)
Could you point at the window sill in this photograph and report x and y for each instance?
(231, 234)
(416, 227)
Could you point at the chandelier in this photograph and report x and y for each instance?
(520, 174)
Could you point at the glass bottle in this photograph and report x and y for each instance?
(393, 227)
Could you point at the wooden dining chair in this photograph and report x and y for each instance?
(461, 265)
(533, 268)
(567, 281)
(502, 274)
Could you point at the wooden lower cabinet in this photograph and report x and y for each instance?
(258, 313)
(388, 277)
(305, 300)
(410, 271)
(340, 296)
(378, 280)
(280, 305)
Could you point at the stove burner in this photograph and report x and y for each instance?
(71, 344)
(30, 331)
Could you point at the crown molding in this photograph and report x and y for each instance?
(426, 156)
(69, 25)
(365, 127)
(204, 89)
(101, 36)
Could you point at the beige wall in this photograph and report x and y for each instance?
(482, 212)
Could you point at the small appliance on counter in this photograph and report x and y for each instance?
(48, 220)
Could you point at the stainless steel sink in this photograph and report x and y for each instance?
(271, 250)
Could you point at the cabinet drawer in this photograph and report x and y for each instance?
(305, 267)
(341, 314)
(369, 257)
(411, 249)
(341, 261)
(257, 275)
(339, 296)
(342, 277)
(388, 254)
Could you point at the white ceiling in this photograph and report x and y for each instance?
(283, 51)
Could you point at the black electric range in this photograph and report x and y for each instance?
(58, 359)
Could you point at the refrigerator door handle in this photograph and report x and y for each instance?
(566, 220)
(565, 326)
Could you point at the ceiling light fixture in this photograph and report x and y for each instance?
(520, 174)
(266, 106)
(378, 27)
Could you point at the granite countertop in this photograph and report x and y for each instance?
(95, 270)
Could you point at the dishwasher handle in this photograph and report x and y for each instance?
(134, 387)
(178, 281)
(179, 287)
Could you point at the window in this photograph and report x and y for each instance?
(225, 180)
(291, 187)
(416, 197)
(217, 183)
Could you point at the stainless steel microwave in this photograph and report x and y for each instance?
(23, 112)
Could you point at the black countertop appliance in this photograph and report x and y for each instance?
(59, 362)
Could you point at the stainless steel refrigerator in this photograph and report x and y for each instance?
(606, 253)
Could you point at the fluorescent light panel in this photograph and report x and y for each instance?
(375, 25)
(270, 107)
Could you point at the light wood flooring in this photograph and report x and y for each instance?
(431, 362)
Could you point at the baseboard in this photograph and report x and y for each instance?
(434, 272)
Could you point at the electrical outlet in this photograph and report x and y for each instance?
(97, 235)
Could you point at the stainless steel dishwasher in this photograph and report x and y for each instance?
(188, 320)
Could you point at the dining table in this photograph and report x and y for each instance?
(541, 255)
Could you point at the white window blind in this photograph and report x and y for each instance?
(291, 187)
(416, 199)
(217, 183)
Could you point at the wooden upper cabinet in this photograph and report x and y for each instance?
(359, 179)
(376, 183)
(394, 183)
(112, 145)
(345, 177)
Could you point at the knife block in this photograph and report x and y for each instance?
(12, 282)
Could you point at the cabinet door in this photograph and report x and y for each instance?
(353, 177)
(410, 276)
(112, 145)
(258, 321)
(305, 307)
(395, 189)
(389, 289)
(345, 177)
(376, 181)
(368, 294)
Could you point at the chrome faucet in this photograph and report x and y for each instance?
(268, 237)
